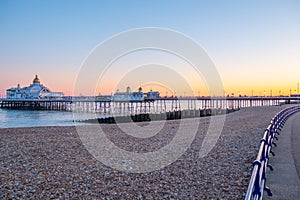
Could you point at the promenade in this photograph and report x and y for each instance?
(284, 181)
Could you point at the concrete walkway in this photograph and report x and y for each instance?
(284, 181)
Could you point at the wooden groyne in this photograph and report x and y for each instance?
(147, 117)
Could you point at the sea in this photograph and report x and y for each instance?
(34, 118)
(10, 118)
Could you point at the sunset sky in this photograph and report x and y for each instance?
(255, 45)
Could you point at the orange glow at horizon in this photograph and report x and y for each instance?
(232, 87)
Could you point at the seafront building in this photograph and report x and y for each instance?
(36, 90)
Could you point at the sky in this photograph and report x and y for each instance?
(255, 45)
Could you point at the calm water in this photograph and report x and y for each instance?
(25, 118)
(33, 118)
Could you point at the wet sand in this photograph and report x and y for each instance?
(52, 162)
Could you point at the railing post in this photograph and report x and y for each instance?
(256, 190)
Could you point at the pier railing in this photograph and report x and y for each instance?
(161, 104)
(258, 179)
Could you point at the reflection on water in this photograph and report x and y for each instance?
(31, 118)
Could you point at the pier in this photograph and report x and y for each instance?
(153, 105)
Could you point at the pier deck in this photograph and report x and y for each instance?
(94, 104)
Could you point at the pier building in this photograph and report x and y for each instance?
(36, 90)
(128, 95)
(152, 95)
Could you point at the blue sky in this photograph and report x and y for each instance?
(251, 42)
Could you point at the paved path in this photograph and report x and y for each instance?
(284, 181)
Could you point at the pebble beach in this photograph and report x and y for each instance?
(52, 163)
